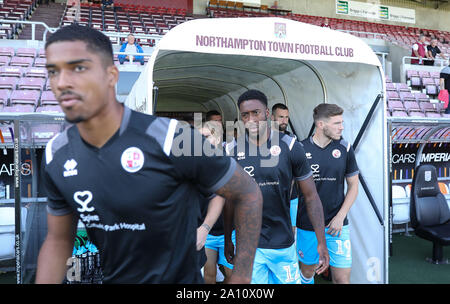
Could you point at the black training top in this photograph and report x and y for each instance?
(330, 166)
(138, 196)
(273, 166)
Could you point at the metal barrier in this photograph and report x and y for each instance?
(443, 62)
(118, 35)
(33, 27)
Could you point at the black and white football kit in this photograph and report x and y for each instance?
(330, 165)
(138, 201)
(274, 166)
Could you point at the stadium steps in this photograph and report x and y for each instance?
(50, 14)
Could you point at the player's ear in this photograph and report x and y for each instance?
(112, 75)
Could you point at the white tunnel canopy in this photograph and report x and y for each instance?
(207, 64)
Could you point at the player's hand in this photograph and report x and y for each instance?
(229, 251)
(335, 226)
(324, 258)
(202, 234)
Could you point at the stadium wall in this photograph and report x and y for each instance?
(427, 18)
(183, 4)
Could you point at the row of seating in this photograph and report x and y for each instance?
(405, 191)
(14, 10)
(408, 100)
(24, 96)
(151, 23)
(396, 34)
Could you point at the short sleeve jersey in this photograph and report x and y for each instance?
(330, 166)
(138, 200)
(274, 165)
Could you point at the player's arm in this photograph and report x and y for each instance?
(244, 194)
(315, 214)
(56, 249)
(335, 225)
(215, 208)
(441, 83)
(228, 213)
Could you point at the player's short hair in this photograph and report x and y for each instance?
(211, 113)
(252, 94)
(326, 110)
(95, 40)
(280, 106)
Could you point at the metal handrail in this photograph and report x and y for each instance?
(54, 29)
(446, 61)
(33, 27)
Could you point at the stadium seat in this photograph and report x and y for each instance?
(416, 82)
(400, 210)
(31, 83)
(392, 95)
(399, 113)
(26, 52)
(11, 71)
(7, 51)
(49, 109)
(421, 97)
(432, 115)
(390, 86)
(8, 83)
(411, 106)
(431, 89)
(402, 87)
(25, 97)
(427, 107)
(39, 72)
(4, 97)
(19, 108)
(395, 104)
(40, 62)
(48, 98)
(410, 73)
(429, 211)
(21, 61)
(407, 96)
(4, 60)
(7, 231)
(416, 114)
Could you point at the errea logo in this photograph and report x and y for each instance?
(69, 167)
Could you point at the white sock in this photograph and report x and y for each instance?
(306, 280)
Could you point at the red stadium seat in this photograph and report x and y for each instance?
(21, 61)
(31, 83)
(21, 108)
(4, 97)
(25, 97)
(36, 72)
(48, 98)
(26, 52)
(7, 51)
(9, 83)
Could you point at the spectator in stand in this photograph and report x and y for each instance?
(275, 5)
(107, 3)
(131, 46)
(326, 23)
(444, 83)
(419, 50)
(433, 50)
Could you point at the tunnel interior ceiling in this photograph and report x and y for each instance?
(198, 78)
